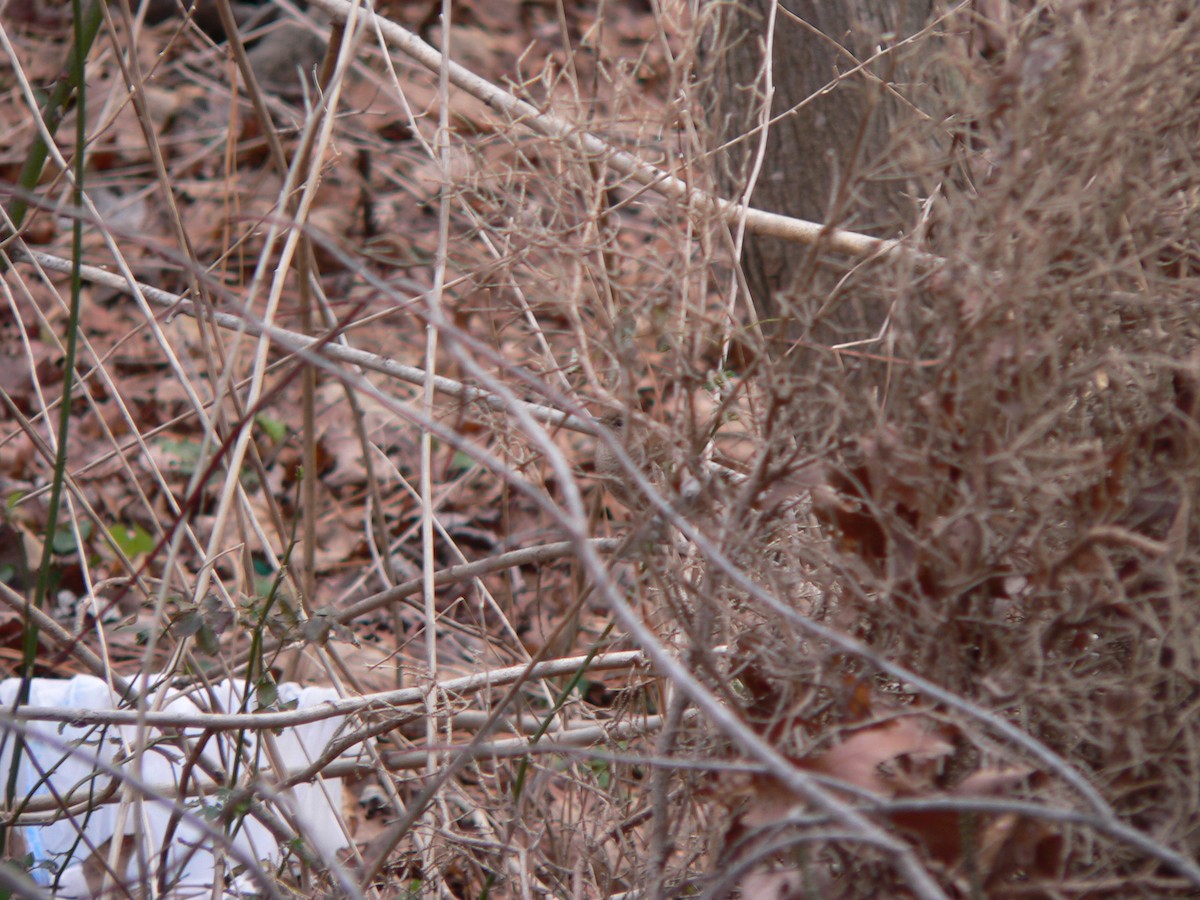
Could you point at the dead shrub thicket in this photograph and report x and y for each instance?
(1007, 446)
(916, 569)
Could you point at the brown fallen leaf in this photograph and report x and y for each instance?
(863, 759)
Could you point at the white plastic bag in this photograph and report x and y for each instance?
(57, 759)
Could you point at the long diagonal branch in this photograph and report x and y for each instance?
(662, 182)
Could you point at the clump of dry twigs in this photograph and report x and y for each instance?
(437, 386)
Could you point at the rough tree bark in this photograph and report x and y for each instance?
(827, 153)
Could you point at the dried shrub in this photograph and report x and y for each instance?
(1007, 441)
(950, 491)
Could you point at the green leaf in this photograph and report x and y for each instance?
(188, 624)
(184, 455)
(276, 430)
(207, 641)
(460, 462)
(64, 538)
(268, 694)
(216, 612)
(133, 540)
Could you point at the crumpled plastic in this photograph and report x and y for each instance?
(67, 853)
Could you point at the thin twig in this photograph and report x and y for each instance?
(377, 702)
(295, 342)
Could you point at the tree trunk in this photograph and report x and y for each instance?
(827, 160)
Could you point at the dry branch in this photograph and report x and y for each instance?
(299, 343)
(547, 124)
(370, 703)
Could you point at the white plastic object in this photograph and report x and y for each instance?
(68, 851)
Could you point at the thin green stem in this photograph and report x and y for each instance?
(85, 33)
(52, 114)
